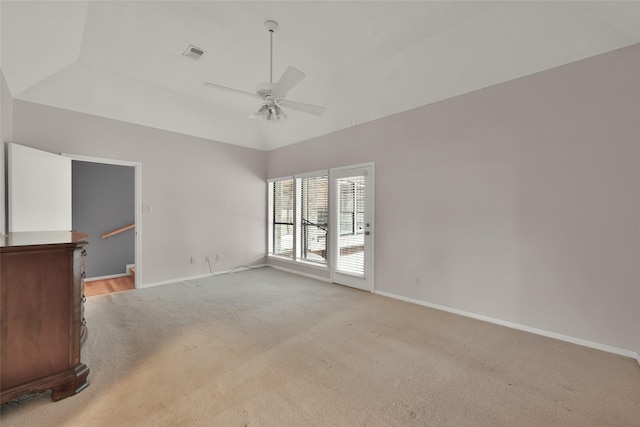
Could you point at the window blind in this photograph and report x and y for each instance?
(314, 213)
(282, 214)
(351, 205)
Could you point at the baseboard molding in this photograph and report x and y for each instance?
(168, 282)
(300, 273)
(111, 276)
(200, 276)
(561, 337)
(239, 269)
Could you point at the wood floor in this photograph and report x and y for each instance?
(107, 286)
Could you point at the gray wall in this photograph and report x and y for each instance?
(6, 123)
(520, 202)
(6, 110)
(103, 199)
(208, 197)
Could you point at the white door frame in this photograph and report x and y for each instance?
(367, 282)
(137, 204)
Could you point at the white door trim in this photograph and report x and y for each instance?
(137, 207)
(369, 282)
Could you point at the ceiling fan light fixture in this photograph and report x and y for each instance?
(273, 94)
(269, 111)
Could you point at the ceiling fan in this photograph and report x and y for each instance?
(273, 94)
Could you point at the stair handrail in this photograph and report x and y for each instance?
(320, 226)
(117, 231)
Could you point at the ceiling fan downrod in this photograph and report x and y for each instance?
(272, 27)
(273, 94)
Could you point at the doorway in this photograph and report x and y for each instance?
(352, 214)
(39, 193)
(126, 225)
(103, 198)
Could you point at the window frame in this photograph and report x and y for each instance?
(299, 211)
(271, 218)
(295, 257)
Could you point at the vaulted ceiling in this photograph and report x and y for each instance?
(363, 60)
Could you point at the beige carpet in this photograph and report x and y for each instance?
(265, 348)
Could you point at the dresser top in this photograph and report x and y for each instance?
(38, 238)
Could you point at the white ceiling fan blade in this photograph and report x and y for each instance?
(290, 78)
(230, 89)
(256, 113)
(300, 106)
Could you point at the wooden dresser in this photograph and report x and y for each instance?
(42, 311)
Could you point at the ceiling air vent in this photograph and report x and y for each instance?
(193, 52)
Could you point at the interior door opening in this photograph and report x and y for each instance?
(103, 206)
(39, 196)
(97, 168)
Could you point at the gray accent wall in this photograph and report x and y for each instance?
(6, 110)
(519, 202)
(6, 126)
(103, 199)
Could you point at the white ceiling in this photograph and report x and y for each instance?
(363, 60)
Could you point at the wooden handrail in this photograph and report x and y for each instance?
(117, 231)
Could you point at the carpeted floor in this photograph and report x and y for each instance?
(266, 348)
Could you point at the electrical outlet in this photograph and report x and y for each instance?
(217, 257)
(206, 258)
(192, 260)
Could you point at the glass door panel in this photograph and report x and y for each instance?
(351, 239)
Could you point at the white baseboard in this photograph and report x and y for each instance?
(300, 273)
(111, 276)
(200, 276)
(561, 337)
(168, 282)
(239, 269)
